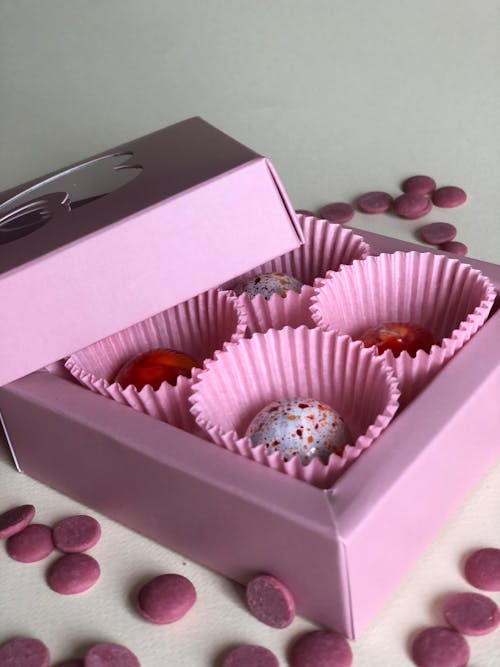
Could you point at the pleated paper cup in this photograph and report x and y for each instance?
(295, 362)
(197, 327)
(326, 247)
(444, 295)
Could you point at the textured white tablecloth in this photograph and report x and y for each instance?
(344, 97)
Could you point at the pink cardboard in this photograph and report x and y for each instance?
(106, 262)
(378, 517)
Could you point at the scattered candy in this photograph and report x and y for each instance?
(76, 533)
(13, 521)
(166, 599)
(375, 202)
(268, 284)
(338, 212)
(440, 647)
(270, 601)
(32, 544)
(471, 613)
(438, 232)
(412, 206)
(24, 652)
(299, 426)
(73, 573)
(449, 196)
(321, 649)
(155, 367)
(110, 655)
(482, 569)
(420, 185)
(454, 247)
(398, 337)
(250, 656)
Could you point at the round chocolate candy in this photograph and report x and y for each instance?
(303, 427)
(249, 655)
(24, 652)
(471, 613)
(482, 569)
(268, 284)
(420, 185)
(440, 647)
(166, 598)
(155, 367)
(438, 232)
(338, 212)
(398, 337)
(32, 544)
(75, 534)
(269, 600)
(15, 520)
(449, 196)
(321, 649)
(412, 206)
(374, 202)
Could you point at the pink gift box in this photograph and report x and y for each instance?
(342, 550)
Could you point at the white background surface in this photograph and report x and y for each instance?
(344, 97)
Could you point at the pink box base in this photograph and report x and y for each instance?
(240, 518)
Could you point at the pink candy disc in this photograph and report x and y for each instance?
(14, 520)
(374, 202)
(24, 652)
(438, 232)
(440, 647)
(338, 212)
(412, 206)
(110, 655)
(321, 649)
(449, 196)
(454, 247)
(270, 601)
(73, 573)
(76, 533)
(32, 544)
(482, 569)
(250, 656)
(420, 185)
(166, 599)
(471, 613)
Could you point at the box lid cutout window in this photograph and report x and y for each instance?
(34, 207)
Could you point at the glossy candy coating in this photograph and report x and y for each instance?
(300, 426)
(268, 284)
(155, 367)
(398, 337)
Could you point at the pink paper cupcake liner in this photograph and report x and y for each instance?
(326, 247)
(444, 295)
(197, 327)
(289, 363)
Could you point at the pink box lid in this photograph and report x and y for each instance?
(112, 240)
